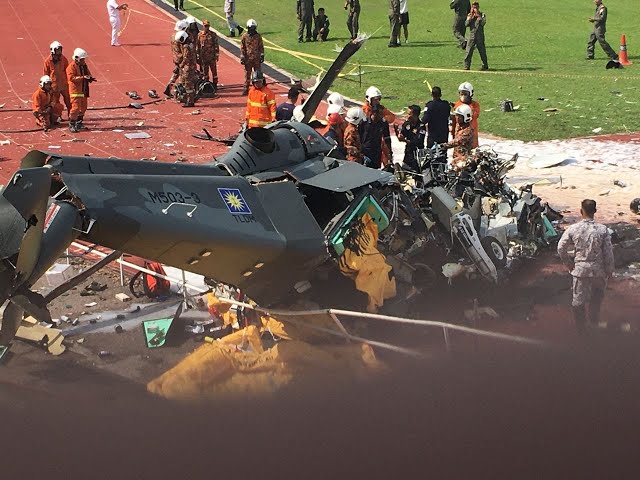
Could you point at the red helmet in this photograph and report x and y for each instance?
(334, 119)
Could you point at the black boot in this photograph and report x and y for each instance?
(240, 30)
(167, 91)
(80, 125)
(72, 127)
(580, 318)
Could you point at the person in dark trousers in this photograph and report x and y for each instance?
(353, 6)
(461, 9)
(305, 12)
(285, 110)
(599, 21)
(436, 118)
(321, 26)
(374, 133)
(591, 266)
(394, 21)
(412, 133)
(476, 20)
(179, 4)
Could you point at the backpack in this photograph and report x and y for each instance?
(153, 286)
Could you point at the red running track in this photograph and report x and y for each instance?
(143, 62)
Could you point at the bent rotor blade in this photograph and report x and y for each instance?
(28, 192)
(11, 320)
(311, 105)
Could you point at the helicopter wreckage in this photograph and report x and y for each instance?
(265, 216)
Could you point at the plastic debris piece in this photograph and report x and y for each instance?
(123, 297)
(619, 183)
(5, 142)
(137, 135)
(119, 329)
(92, 304)
(597, 130)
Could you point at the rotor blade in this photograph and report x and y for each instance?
(11, 320)
(35, 158)
(33, 303)
(311, 105)
(28, 192)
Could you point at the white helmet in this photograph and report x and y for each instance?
(252, 23)
(190, 20)
(334, 108)
(45, 79)
(465, 111)
(335, 99)
(372, 92)
(355, 115)
(54, 46)
(80, 53)
(466, 87)
(181, 37)
(298, 113)
(181, 25)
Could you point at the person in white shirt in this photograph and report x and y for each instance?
(114, 18)
(404, 19)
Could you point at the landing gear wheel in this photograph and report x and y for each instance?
(495, 250)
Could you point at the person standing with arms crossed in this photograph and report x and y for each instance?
(592, 265)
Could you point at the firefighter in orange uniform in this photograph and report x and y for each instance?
(465, 90)
(79, 77)
(44, 110)
(55, 66)
(251, 52)
(261, 102)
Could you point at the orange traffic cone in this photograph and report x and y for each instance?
(624, 60)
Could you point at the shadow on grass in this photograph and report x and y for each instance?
(501, 46)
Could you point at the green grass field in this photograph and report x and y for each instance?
(535, 49)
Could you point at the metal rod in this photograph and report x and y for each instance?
(81, 277)
(121, 272)
(340, 326)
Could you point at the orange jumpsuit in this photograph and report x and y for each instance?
(78, 90)
(59, 85)
(387, 114)
(261, 107)
(475, 110)
(44, 109)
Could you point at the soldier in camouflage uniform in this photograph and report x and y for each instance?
(476, 20)
(208, 52)
(352, 143)
(599, 21)
(461, 9)
(592, 265)
(251, 52)
(305, 11)
(353, 20)
(462, 142)
(176, 55)
(188, 71)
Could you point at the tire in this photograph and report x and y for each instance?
(495, 250)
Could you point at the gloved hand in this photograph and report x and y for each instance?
(241, 60)
(261, 57)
